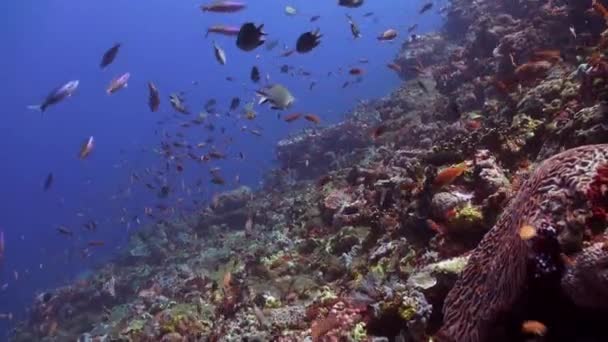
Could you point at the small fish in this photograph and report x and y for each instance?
(109, 56)
(308, 41)
(57, 95)
(223, 30)
(224, 6)
(290, 10)
(573, 31)
(250, 37)
(153, 97)
(284, 68)
(220, 54)
(96, 243)
(48, 182)
(356, 71)
(277, 95)
(350, 3)
(427, 6)
(178, 104)
(354, 28)
(394, 66)
(216, 179)
(368, 14)
(288, 53)
(312, 118)
(388, 35)
(63, 230)
(118, 83)
(87, 148)
(292, 117)
(412, 28)
(255, 74)
(534, 328)
(234, 103)
(315, 18)
(448, 175)
(6, 316)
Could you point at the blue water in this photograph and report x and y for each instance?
(47, 43)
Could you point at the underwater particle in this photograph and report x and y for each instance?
(153, 97)
(534, 328)
(255, 74)
(277, 95)
(223, 30)
(350, 3)
(57, 95)
(308, 41)
(219, 53)
(427, 6)
(388, 35)
(109, 56)
(118, 83)
(87, 148)
(250, 37)
(527, 232)
(48, 182)
(224, 6)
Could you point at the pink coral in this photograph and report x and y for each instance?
(496, 272)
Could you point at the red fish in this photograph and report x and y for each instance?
(292, 117)
(118, 83)
(312, 118)
(356, 71)
(224, 7)
(86, 148)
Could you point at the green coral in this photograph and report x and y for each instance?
(467, 217)
(359, 332)
(271, 302)
(407, 312)
(327, 294)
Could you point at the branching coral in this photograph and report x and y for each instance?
(496, 273)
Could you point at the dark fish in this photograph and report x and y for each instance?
(216, 179)
(63, 230)
(250, 37)
(315, 18)
(48, 182)
(308, 41)
(368, 14)
(153, 97)
(255, 74)
(284, 68)
(354, 28)
(164, 191)
(109, 56)
(234, 103)
(210, 104)
(57, 95)
(350, 3)
(426, 7)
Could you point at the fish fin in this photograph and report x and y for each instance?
(263, 99)
(38, 108)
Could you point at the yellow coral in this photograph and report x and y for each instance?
(406, 312)
(359, 332)
(272, 302)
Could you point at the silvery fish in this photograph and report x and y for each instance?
(57, 95)
(277, 95)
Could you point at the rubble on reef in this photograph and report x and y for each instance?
(402, 222)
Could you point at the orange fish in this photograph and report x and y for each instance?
(292, 117)
(527, 232)
(599, 8)
(534, 328)
(86, 148)
(448, 175)
(312, 118)
(436, 227)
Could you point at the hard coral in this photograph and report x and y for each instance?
(496, 274)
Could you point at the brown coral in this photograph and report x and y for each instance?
(496, 272)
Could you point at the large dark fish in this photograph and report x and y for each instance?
(426, 7)
(109, 56)
(308, 41)
(57, 95)
(255, 74)
(350, 3)
(250, 37)
(153, 97)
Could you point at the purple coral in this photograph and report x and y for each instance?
(496, 273)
